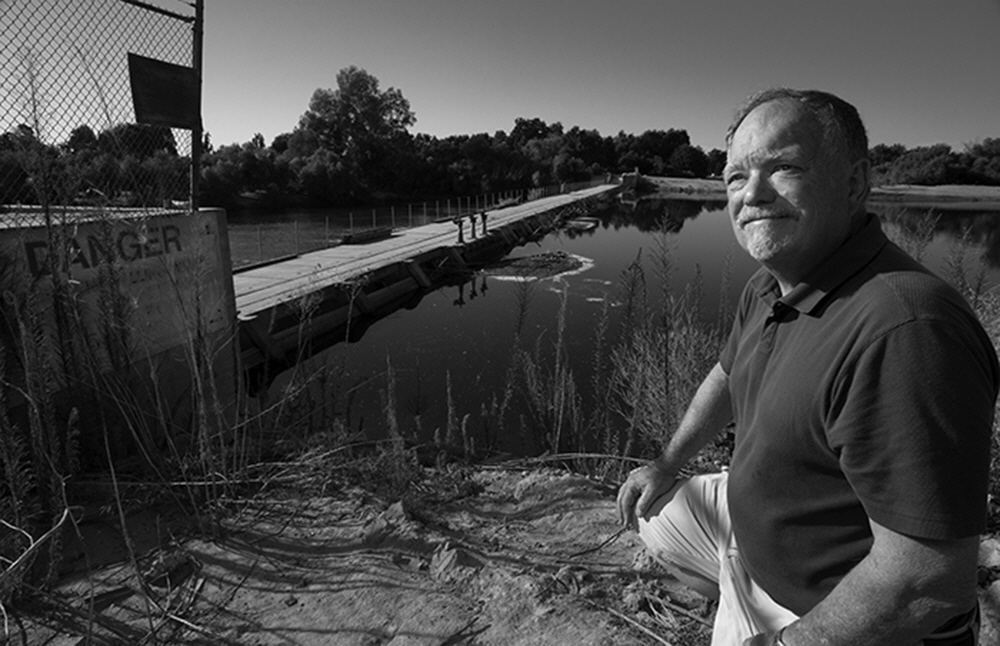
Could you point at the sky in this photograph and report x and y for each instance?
(920, 72)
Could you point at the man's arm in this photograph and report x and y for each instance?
(709, 412)
(904, 589)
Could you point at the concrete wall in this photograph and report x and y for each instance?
(167, 276)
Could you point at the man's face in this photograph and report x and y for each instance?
(788, 197)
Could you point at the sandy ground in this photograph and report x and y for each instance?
(496, 555)
(478, 556)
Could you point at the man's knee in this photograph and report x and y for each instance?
(687, 529)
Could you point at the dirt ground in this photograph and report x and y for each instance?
(497, 555)
(480, 556)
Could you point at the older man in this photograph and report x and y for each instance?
(862, 388)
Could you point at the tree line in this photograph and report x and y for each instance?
(353, 146)
(933, 165)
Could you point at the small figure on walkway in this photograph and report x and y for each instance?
(482, 216)
(460, 223)
(472, 225)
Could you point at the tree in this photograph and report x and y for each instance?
(716, 161)
(688, 161)
(360, 125)
(526, 130)
(81, 138)
(137, 140)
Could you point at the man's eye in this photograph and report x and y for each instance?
(785, 167)
(734, 179)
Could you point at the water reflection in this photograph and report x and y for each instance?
(936, 236)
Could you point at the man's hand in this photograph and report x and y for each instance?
(641, 488)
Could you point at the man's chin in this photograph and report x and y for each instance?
(766, 249)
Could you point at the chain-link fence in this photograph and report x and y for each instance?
(69, 135)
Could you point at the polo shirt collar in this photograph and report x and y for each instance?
(845, 262)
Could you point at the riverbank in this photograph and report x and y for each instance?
(955, 196)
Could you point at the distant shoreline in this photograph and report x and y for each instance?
(955, 196)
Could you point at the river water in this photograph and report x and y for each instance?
(462, 337)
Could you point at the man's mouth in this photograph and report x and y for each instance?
(758, 217)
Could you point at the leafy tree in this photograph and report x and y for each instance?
(280, 143)
(526, 130)
(716, 161)
(361, 125)
(688, 161)
(927, 165)
(881, 154)
(137, 140)
(80, 139)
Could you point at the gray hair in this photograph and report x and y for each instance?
(840, 121)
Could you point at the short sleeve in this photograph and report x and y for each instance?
(912, 423)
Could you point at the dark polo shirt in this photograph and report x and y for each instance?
(866, 392)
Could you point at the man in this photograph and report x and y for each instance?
(862, 388)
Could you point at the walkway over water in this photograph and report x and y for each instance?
(261, 288)
(290, 308)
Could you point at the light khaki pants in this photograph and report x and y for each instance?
(689, 532)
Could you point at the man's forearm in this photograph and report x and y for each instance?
(710, 410)
(904, 589)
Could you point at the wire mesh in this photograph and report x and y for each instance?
(68, 131)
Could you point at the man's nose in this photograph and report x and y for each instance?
(758, 190)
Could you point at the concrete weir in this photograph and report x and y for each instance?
(292, 309)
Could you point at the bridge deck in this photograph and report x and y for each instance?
(261, 288)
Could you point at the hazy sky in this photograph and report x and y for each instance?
(919, 71)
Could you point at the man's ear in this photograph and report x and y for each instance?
(859, 183)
